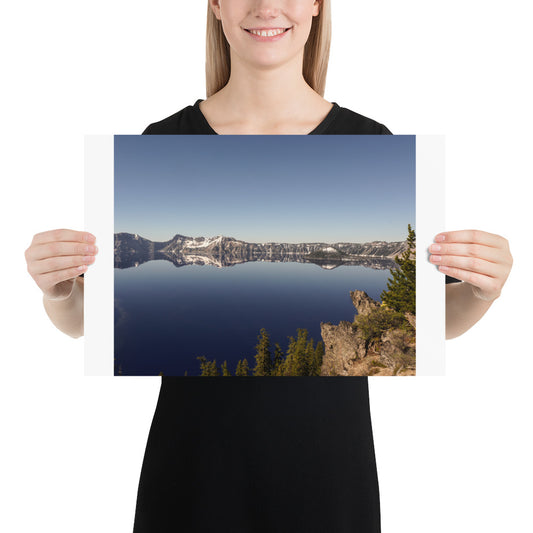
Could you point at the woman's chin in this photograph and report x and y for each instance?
(270, 61)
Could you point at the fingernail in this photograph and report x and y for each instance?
(436, 258)
(435, 248)
(89, 237)
(440, 237)
(443, 268)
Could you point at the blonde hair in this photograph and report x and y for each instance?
(316, 52)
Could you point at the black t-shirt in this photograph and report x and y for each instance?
(260, 454)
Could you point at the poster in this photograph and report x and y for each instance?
(269, 256)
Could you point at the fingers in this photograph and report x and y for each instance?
(477, 257)
(60, 263)
(60, 242)
(57, 235)
(471, 264)
(471, 251)
(479, 247)
(472, 236)
(487, 287)
(56, 249)
(60, 255)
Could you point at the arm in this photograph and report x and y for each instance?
(67, 313)
(463, 309)
(483, 261)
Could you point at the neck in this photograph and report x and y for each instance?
(264, 93)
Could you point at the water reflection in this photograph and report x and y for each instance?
(165, 318)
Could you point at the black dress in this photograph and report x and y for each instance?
(253, 455)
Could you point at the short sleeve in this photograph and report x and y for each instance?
(449, 279)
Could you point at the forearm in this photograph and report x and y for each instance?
(463, 308)
(67, 314)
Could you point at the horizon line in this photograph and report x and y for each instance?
(261, 242)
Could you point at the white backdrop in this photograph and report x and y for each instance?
(453, 453)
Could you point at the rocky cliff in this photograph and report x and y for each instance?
(350, 351)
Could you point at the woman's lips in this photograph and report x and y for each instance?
(266, 34)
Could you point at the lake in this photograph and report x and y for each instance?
(165, 317)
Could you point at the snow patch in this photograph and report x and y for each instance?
(204, 244)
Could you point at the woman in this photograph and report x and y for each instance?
(272, 454)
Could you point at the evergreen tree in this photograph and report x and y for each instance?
(225, 369)
(213, 370)
(263, 358)
(300, 366)
(287, 367)
(318, 355)
(208, 368)
(278, 360)
(203, 364)
(310, 357)
(242, 368)
(401, 287)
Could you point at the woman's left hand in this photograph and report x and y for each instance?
(481, 259)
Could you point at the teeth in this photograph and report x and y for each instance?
(266, 33)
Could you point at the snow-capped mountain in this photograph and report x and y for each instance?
(132, 250)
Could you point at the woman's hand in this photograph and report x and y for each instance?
(481, 259)
(56, 258)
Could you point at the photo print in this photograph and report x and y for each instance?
(264, 256)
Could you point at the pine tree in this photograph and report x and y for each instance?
(263, 358)
(213, 370)
(300, 366)
(287, 367)
(208, 368)
(309, 357)
(225, 369)
(401, 287)
(242, 368)
(278, 360)
(318, 355)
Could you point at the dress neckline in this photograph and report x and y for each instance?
(321, 128)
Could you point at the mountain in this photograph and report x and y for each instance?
(133, 250)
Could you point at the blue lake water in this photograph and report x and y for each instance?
(166, 316)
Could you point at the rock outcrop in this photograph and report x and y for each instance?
(344, 349)
(363, 303)
(348, 351)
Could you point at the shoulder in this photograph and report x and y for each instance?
(347, 121)
(187, 121)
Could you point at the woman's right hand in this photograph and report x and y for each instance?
(56, 258)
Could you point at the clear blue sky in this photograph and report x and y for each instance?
(259, 188)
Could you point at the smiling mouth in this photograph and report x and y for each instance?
(267, 32)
